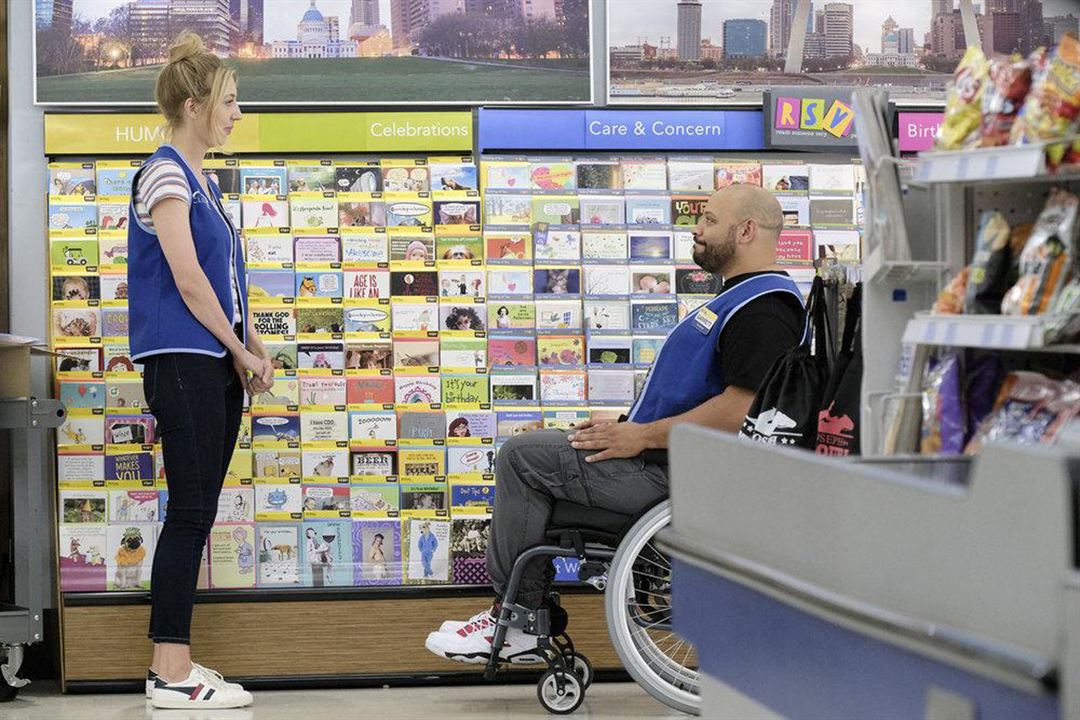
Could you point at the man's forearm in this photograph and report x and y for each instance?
(725, 411)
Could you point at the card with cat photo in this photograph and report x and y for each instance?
(462, 210)
(557, 281)
(416, 352)
(361, 210)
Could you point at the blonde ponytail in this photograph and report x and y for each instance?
(191, 72)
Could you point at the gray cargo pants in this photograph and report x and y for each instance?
(535, 469)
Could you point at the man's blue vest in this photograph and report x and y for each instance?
(159, 319)
(686, 371)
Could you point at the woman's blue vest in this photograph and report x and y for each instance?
(159, 319)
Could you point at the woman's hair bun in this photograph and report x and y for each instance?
(187, 45)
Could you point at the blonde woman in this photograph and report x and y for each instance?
(190, 328)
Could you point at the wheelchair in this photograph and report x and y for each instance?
(618, 557)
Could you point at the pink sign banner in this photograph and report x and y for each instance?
(916, 130)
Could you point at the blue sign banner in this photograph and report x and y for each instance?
(640, 130)
(703, 130)
(531, 129)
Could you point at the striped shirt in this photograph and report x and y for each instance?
(163, 179)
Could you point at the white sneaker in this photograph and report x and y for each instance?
(151, 676)
(452, 626)
(200, 690)
(472, 644)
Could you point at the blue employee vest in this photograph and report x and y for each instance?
(158, 318)
(686, 371)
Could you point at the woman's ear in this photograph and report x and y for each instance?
(191, 108)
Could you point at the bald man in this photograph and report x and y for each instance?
(706, 373)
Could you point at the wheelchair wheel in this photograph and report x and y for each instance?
(638, 601)
(559, 702)
(582, 668)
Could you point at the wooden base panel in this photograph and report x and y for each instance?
(300, 638)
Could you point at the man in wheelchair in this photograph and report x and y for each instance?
(706, 373)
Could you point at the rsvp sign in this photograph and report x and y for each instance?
(811, 118)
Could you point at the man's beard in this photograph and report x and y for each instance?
(716, 256)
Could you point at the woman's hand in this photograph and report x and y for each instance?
(262, 372)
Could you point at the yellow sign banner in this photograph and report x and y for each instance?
(142, 133)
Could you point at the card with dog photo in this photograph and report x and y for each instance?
(75, 323)
(460, 209)
(129, 556)
(361, 210)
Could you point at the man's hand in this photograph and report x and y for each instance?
(612, 439)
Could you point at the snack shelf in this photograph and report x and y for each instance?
(995, 332)
(989, 165)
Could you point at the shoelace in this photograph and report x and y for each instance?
(476, 626)
(214, 678)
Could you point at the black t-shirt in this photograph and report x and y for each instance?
(754, 338)
(758, 334)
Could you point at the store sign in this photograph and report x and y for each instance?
(916, 131)
(640, 130)
(815, 118)
(141, 134)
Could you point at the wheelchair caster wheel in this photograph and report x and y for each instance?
(560, 701)
(581, 667)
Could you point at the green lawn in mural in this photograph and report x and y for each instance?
(353, 80)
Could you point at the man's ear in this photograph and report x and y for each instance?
(747, 231)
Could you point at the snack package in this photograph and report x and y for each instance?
(1052, 109)
(986, 283)
(963, 108)
(944, 419)
(950, 300)
(1031, 409)
(1010, 81)
(982, 383)
(1046, 261)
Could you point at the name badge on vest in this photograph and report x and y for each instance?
(704, 320)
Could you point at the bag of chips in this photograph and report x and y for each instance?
(1052, 109)
(1046, 261)
(989, 266)
(944, 419)
(1031, 409)
(1010, 81)
(963, 108)
(950, 301)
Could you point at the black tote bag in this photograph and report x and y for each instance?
(785, 409)
(838, 421)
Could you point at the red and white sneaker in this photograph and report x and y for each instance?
(472, 644)
(200, 689)
(484, 617)
(151, 678)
